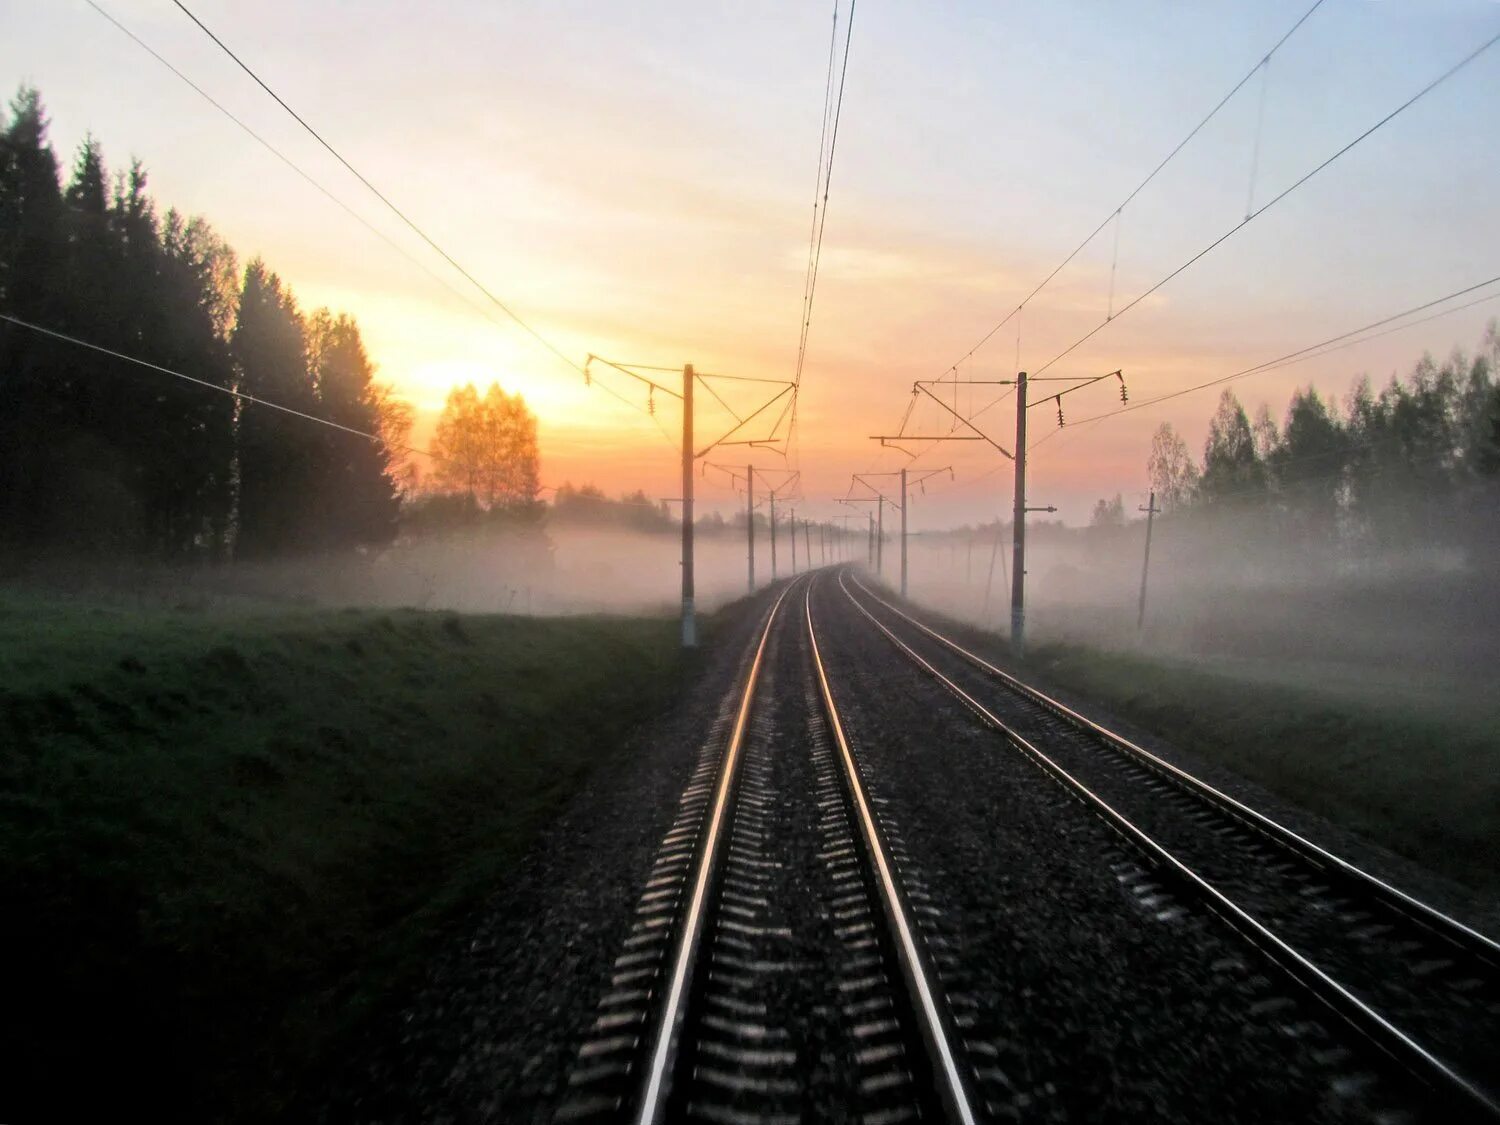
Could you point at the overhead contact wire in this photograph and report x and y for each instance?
(1198, 128)
(397, 211)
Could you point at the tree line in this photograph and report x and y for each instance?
(1413, 464)
(101, 455)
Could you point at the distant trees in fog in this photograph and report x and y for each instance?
(1416, 462)
(1173, 472)
(100, 455)
(632, 511)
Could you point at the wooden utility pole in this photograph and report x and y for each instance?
(1018, 530)
(750, 522)
(989, 582)
(689, 624)
(1150, 509)
(903, 533)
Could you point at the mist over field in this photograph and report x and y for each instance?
(1415, 618)
(547, 571)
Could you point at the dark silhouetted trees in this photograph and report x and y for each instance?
(1414, 465)
(1232, 467)
(100, 455)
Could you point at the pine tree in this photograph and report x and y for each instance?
(191, 486)
(1310, 462)
(30, 366)
(278, 455)
(359, 488)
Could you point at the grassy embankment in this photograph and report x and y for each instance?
(1416, 772)
(226, 840)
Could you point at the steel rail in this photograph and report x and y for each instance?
(654, 1089)
(1452, 929)
(934, 1033)
(1379, 1030)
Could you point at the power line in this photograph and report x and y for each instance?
(323, 190)
(400, 214)
(812, 233)
(248, 399)
(1141, 186)
(1411, 101)
(816, 250)
(281, 156)
(241, 395)
(1273, 489)
(1114, 216)
(338, 201)
(1311, 351)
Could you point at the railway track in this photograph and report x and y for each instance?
(773, 972)
(1423, 988)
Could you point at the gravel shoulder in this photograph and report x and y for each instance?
(491, 1036)
(1473, 907)
(1086, 989)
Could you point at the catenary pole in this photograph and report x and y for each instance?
(903, 533)
(750, 523)
(1018, 530)
(793, 524)
(689, 625)
(807, 541)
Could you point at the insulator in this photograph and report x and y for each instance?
(1059, 414)
(1124, 394)
(651, 401)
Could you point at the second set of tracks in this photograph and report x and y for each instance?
(790, 960)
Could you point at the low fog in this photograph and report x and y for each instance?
(561, 568)
(1413, 616)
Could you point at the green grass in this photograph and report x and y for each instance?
(1416, 774)
(226, 840)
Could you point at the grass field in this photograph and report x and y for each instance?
(1415, 771)
(226, 838)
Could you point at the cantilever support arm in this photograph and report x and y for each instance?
(983, 436)
(746, 420)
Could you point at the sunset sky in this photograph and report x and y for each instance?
(636, 180)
